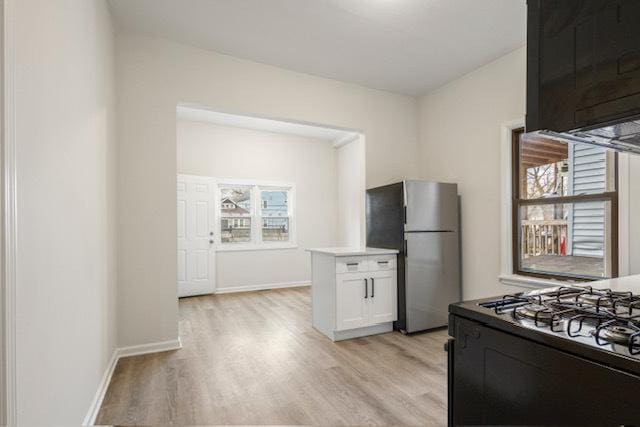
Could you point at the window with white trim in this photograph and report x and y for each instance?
(255, 215)
(564, 209)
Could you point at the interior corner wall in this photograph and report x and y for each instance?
(460, 127)
(154, 76)
(351, 193)
(634, 214)
(66, 272)
(226, 152)
(3, 286)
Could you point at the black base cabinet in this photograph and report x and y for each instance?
(496, 378)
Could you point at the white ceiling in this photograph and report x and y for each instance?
(403, 46)
(337, 136)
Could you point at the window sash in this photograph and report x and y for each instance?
(288, 216)
(517, 202)
(608, 261)
(598, 197)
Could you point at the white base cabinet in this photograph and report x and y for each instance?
(354, 295)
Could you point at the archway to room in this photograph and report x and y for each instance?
(254, 193)
(250, 353)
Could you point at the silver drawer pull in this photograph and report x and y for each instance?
(352, 264)
(383, 263)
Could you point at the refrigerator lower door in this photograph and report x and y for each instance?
(432, 278)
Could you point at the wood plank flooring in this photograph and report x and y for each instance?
(253, 358)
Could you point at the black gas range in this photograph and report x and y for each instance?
(564, 355)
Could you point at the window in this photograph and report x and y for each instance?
(275, 215)
(256, 215)
(565, 209)
(235, 214)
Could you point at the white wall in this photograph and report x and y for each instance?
(351, 193)
(310, 164)
(634, 214)
(460, 127)
(154, 76)
(66, 274)
(3, 339)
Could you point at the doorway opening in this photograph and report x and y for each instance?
(254, 193)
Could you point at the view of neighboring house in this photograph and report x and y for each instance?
(235, 215)
(587, 175)
(275, 215)
(563, 237)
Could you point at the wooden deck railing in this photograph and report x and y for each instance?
(543, 237)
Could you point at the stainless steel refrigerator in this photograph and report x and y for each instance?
(421, 220)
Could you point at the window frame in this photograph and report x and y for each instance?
(261, 207)
(256, 187)
(517, 202)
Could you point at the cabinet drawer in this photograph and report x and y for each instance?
(382, 262)
(351, 264)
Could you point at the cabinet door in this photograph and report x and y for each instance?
(501, 379)
(583, 62)
(352, 295)
(383, 297)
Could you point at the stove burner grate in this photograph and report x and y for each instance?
(617, 332)
(612, 317)
(594, 299)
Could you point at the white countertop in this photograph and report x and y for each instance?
(621, 284)
(351, 251)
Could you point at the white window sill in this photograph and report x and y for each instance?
(235, 247)
(528, 281)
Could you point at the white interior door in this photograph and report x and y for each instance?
(196, 251)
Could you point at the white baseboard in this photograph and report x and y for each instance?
(263, 287)
(154, 347)
(119, 353)
(362, 332)
(96, 403)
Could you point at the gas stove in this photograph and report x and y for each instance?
(597, 323)
(510, 357)
(601, 317)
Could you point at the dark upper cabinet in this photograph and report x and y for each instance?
(583, 63)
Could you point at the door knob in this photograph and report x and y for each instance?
(211, 242)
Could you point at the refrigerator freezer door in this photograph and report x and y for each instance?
(431, 206)
(432, 278)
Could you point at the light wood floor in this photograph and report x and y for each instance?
(253, 358)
